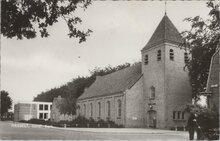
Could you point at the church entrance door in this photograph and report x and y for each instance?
(152, 119)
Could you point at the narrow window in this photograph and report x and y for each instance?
(171, 54)
(119, 108)
(45, 107)
(174, 114)
(91, 109)
(146, 60)
(152, 92)
(41, 107)
(84, 109)
(99, 108)
(50, 107)
(158, 55)
(183, 115)
(108, 106)
(186, 57)
(178, 115)
(79, 110)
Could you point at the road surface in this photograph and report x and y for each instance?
(20, 131)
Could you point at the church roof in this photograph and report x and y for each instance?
(113, 83)
(165, 32)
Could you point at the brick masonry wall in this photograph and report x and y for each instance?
(104, 109)
(177, 86)
(153, 74)
(135, 105)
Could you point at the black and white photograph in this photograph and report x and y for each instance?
(110, 69)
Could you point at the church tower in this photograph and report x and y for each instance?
(166, 84)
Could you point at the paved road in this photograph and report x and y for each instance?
(10, 131)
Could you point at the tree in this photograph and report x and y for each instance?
(21, 18)
(6, 102)
(202, 40)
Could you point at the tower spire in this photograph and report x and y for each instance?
(165, 7)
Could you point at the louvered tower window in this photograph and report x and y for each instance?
(171, 54)
(146, 60)
(158, 55)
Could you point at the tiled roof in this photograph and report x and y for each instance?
(165, 32)
(113, 83)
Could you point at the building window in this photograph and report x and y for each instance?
(178, 114)
(119, 108)
(183, 115)
(91, 109)
(146, 60)
(171, 54)
(45, 107)
(152, 92)
(174, 114)
(41, 116)
(45, 115)
(158, 55)
(99, 108)
(50, 107)
(186, 57)
(84, 109)
(108, 106)
(41, 107)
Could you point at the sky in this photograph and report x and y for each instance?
(120, 30)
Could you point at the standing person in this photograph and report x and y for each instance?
(191, 124)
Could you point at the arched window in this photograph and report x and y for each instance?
(91, 109)
(178, 114)
(152, 92)
(84, 109)
(171, 54)
(174, 114)
(119, 108)
(183, 113)
(99, 109)
(158, 55)
(186, 57)
(108, 106)
(146, 60)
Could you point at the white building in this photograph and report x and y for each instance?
(32, 110)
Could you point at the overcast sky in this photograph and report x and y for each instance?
(120, 31)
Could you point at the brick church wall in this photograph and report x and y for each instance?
(135, 105)
(178, 89)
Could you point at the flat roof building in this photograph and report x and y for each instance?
(32, 110)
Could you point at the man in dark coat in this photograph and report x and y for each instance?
(192, 126)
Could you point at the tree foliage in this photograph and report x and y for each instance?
(202, 40)
(6, 102)
(21, 18)
(73, 89)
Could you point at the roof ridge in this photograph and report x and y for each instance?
(129, 67)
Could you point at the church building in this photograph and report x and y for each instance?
(148, 94)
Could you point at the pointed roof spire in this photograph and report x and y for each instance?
(165, 32)
(165, 7)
